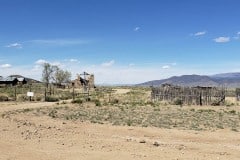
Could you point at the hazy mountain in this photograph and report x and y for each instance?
(231, 80)
(227, 75)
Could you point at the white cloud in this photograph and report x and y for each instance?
(14, 45)
(56, 63)
(108, 64)
(166, 67)
(222, 39)
(73, 60)
(238, 33)
(136, 29)
(36, 68)
(117, 74)
(200, 33)
(6, 66)
(38, 65)
(41, 62)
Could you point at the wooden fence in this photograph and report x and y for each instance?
(189, 95)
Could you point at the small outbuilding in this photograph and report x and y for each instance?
(12, 81)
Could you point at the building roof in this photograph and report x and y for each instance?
(11, 78)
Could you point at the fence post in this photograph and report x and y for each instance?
(73, 94)
(30, 90)
(15, 93)
(50, 90)
(45, 94)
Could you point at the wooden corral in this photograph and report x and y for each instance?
(189, 95)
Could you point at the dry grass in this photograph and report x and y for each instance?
(144, 115)
(131, 107)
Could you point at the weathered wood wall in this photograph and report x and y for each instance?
(189, 95)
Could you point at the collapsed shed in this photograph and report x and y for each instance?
(84, 81)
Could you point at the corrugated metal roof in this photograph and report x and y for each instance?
(10, 78)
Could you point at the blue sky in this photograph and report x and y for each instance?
(124, 41)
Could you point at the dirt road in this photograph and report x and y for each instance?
(28, 137)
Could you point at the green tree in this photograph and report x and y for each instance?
(61, 76)
(47, 73)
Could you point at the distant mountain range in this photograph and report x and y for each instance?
(230, 80)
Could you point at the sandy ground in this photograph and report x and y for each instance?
(43, 138)
(121, 91)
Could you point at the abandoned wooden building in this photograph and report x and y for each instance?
(12, 81)
(189, 95)
(84, 81)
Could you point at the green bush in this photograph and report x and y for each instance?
(178, 102)
(51, 99)
(115, 101)
(37, 98)
(65, 97)
(88, 99)
(97, 103)
(79, 101)
(233, 112)
(22, 97)
(3, 98)
(53, 113)
(149, 103)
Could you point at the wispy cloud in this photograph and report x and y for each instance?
(72, 60)
(237, 36)
(6, 66)
(36, 68)
(41, 62)
(222, 39)
(166, 67)
(57, 63)
(169, 65)
(14, 45)
(200, 33)
(38, 65)
(136, 29)
(59, 42)
(108, 64)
